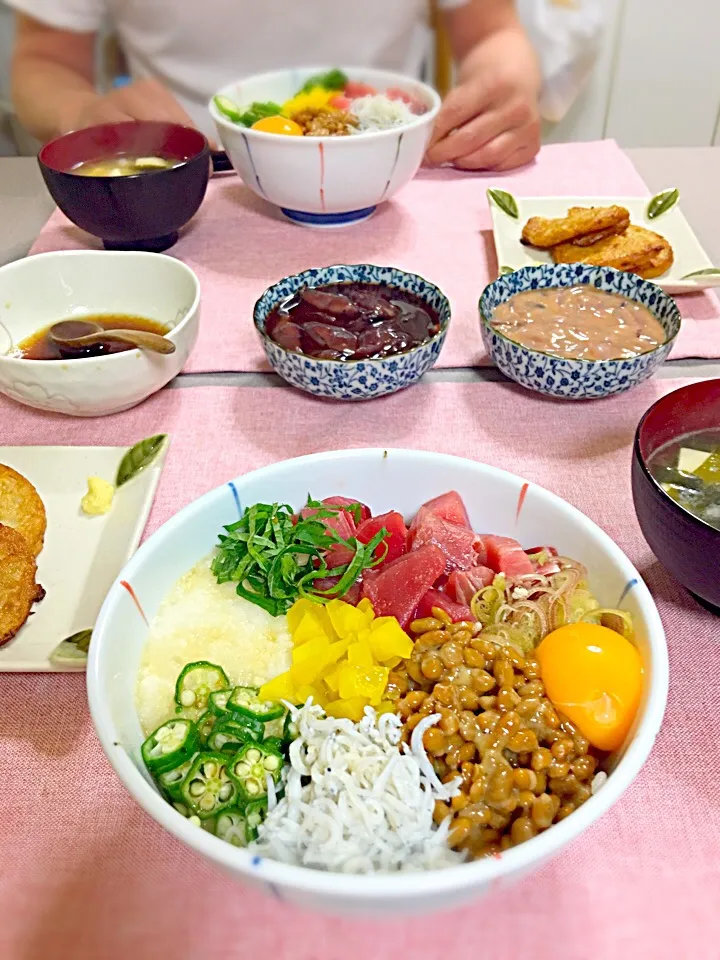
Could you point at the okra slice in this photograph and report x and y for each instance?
(205, 726)
(229, 736)
(255, 813)
(170, 745)
(246, 702)
(250, 767)
(207, 789)
(195, 684)
(274, 728)
(170, 781)
(217, 702)
(290, 728)
(231, 826)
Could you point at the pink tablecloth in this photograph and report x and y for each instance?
(85, 875)
(438, 226)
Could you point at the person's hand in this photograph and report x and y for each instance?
(490, 121)
(142, 100)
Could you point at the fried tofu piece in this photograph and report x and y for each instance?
(18, 587)
(22, 508)
(659, 264)
(544, 232)
(637, 250)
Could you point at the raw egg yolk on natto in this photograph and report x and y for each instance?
(279, 125)
(594, 676)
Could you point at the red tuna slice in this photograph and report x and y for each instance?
(456, 542)
(338, 556)
(436, 598)
(339, 102)
(462, 585)
(345, 502)
(355, 88)
(395, 540)
(398, 588)
(505, 555)
(342, 522)
(327, 583)
(448, 506)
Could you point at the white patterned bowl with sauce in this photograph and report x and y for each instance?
(325, 181)
(44, 289)
(570, 378)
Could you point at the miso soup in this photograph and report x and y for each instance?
(124, 166)
(688, 469)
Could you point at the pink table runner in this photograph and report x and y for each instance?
(85, 875)
(438, 226)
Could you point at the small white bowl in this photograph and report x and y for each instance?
(385, 479)
(325, 181)
(43, 289)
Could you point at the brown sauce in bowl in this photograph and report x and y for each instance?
(39, 346)
(579, 323)
(352, 321)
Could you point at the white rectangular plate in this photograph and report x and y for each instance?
(689, 254)
(82, 555)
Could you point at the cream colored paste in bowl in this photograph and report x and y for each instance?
(580, 323)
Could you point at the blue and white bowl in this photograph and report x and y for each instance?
(353, 379)
(575, 379)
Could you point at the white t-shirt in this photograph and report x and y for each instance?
(196, 47)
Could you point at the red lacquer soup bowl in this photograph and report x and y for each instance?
(687, 546)
(139, 212)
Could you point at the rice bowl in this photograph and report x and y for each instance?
(382, 478)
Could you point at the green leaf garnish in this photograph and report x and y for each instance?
(249, 115)
(707, 272)
(506, 201)
(662, 202)
(139, 457)
(73, 651)
(505, 269)
(332, 80)
(276, 558)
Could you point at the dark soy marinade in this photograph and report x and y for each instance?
(39, 345)
(352, 321)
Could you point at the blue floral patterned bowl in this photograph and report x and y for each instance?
(354, 379)
(575, 379)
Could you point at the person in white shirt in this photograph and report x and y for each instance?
(180, 51)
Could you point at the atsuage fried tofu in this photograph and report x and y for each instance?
(18, 588)
(636, 250)
(22, 508)
(544, 232)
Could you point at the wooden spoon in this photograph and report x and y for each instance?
(76, 334)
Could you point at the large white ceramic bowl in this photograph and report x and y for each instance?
(394, 479)
(325, 181)
(40, 290)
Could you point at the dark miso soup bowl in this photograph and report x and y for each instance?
(353, 379)
(687, 546)
(139, 212)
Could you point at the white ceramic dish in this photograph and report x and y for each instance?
(40, 290)
(325, 181)
(82, 555)
(689, 254)
(385, 479)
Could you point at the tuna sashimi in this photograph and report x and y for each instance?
(436, 598)
(462, 585)
(397, 534)
(364, 512)
(505, 555)
(356, 88)
(342, 522)
(398, 588)
(456, 542)
(327, 583)
(448, 506)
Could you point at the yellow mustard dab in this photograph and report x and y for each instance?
(99, 497)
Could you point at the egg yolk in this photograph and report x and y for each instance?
(594, 676)
(279, 125)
